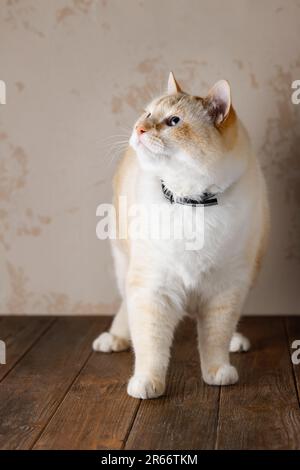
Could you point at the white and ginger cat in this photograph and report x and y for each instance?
(195, 146)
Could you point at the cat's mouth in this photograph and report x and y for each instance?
(150, 145)
(147, 144)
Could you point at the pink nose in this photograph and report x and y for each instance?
(140, 130)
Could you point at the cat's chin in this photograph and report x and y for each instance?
(149, 162)
(145, 155)
(143, 150)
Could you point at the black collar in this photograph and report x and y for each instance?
(204, 199)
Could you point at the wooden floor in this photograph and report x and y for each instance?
(55, 393)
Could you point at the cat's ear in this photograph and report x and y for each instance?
(218, 101)
(173, 86)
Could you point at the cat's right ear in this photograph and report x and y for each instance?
(218, 102)
(173, 86)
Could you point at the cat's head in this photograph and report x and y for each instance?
(183, 132)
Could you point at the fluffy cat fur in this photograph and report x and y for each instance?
(160, 282)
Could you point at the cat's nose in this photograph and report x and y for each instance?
(140, 129)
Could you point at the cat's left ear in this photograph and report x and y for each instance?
(218, 101)
(173, 86)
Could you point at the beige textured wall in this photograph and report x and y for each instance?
(78, 72)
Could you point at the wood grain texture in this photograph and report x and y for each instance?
(262, 411)
(293, 333)
(97, 413)
(32, 391)
(20, 334)
(186, 418)
(58, 394)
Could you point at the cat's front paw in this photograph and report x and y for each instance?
(239, 343)
(107, 342)
(223, 375)
(144, 387)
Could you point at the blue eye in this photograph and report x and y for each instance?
(172, 121)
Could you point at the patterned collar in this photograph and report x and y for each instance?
(204, 199)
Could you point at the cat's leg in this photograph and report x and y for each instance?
(239, 343)
(216, 325)
(118, 337)
(153, 317)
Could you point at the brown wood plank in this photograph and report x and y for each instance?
(186, 418)
(19, 334)
(293, 332)
(261, 412)
(32, 391)
(96, 413)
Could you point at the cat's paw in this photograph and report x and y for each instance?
(144, 387)
(107, 342)
(239, 343)
(223, 375)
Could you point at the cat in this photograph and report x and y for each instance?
(193, 150)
